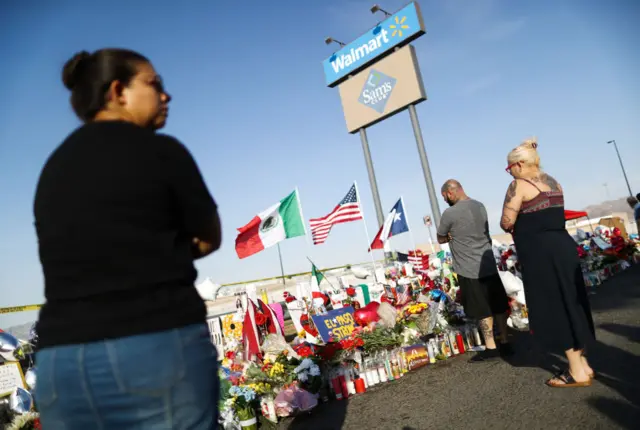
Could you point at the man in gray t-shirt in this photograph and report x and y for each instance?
(465, 226)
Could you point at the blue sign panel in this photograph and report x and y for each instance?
(397, 30)
(377, 90)
(335, 325)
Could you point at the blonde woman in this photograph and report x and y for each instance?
(559, 311)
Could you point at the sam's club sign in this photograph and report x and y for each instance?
(397, 30)
(377, 90)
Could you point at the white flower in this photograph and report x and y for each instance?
(314, 370)
(303, 377)
(21, 420)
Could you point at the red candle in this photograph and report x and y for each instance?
(337, 389)
(343, 386)
(460, 342)
(360, 388)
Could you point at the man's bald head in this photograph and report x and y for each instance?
(451, 183)
(453, 192)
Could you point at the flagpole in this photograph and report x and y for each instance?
(366, 231)
(406, 218)
(281, 265)
(304, 222)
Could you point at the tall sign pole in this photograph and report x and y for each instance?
(372, 177)
(426, 170)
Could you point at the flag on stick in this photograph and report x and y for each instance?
(316, 273)
(393, 225)
(270, 227)
(347, 210)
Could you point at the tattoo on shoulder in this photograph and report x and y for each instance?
(511, 192)
(550, 182)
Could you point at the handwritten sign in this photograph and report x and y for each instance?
(11, 377)
(417, 356)
(335, 325)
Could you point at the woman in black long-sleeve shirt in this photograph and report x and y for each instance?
(121, 212)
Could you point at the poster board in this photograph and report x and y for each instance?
(335, 325)
(417, 356)
(11, 377)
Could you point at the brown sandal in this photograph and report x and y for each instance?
(567, 381)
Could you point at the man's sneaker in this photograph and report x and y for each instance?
(486, 355)
(506, 350)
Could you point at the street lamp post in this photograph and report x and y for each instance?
(621, 166)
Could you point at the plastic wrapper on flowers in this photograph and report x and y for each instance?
(294, 400)
(274, 344)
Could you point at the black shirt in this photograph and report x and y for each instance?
(116, 209)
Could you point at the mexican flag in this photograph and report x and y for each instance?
(270, 227)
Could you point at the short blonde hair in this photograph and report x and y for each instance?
(526, 153)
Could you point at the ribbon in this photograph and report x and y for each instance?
(249, 422)
(365, 293)
(437, 295)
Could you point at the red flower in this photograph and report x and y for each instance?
(305, 351)
(230, 355)
(351, 292)
(289, 297)
(261, 319)
(36, 424)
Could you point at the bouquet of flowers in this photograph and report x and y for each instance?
(28, 421)
(244, 404)
(309, 375)
(379, 339)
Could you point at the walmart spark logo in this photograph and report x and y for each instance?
(398, 26)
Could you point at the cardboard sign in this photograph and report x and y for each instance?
(11, 377)
(417, 356)
(336, 324)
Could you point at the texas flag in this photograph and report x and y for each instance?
(395, 223)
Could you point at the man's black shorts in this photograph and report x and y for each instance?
(484, 297)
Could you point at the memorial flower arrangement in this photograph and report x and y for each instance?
(244, 402)
(28, 421)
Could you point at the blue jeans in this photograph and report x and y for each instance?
(157, 381)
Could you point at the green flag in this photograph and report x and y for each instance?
(316, 273)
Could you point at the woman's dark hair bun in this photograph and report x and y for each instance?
(72, 70)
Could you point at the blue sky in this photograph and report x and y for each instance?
(251, 104)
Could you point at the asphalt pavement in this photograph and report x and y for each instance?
(511, 395)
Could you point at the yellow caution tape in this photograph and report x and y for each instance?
(14, 309)
(19, 309)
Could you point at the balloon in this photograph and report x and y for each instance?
(10, 349)
(368, 314)
(20, 401)
(31, 378)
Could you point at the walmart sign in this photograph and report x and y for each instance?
(397, 30)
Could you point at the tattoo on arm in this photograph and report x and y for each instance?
(506, 223)
(511, 192)
(510, 208)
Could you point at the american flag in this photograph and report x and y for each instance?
(402, 294)
(347, 210)
(419, 262)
